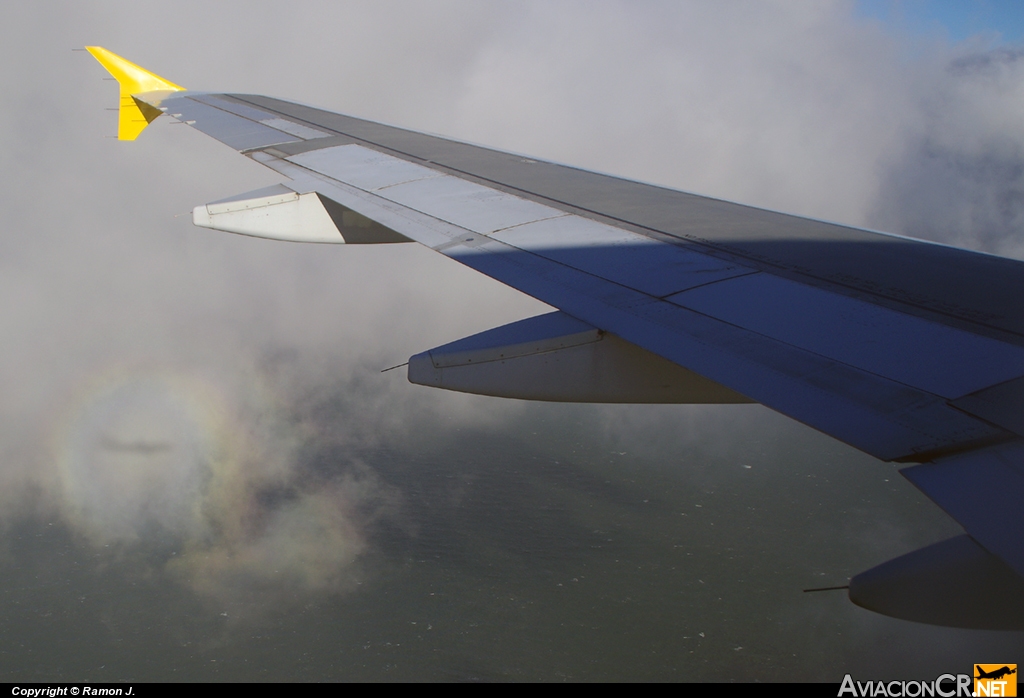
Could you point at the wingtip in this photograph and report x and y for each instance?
(134, 114)
(133, 78)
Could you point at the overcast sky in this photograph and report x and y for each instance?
(124, 327)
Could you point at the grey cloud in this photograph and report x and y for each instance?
(960, 176)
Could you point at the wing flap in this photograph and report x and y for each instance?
(883, 341)
(1001, 404)
(363, 168)
(622, 256)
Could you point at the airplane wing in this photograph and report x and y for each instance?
(910, 351)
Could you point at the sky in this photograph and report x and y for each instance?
(996, 21)
(201, 462)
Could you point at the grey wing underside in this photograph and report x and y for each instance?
(910, 351)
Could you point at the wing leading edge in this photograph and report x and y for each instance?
(909, 351)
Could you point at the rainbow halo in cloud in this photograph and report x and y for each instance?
(139, 454)
(206, 474)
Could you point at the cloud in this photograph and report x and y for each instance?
(309, 544)
(960, 178)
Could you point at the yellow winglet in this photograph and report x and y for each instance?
(134, 115)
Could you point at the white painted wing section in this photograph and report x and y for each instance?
(468, 205)
(362, 167)
(459, 202)
(299, 130)
(245, 111)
